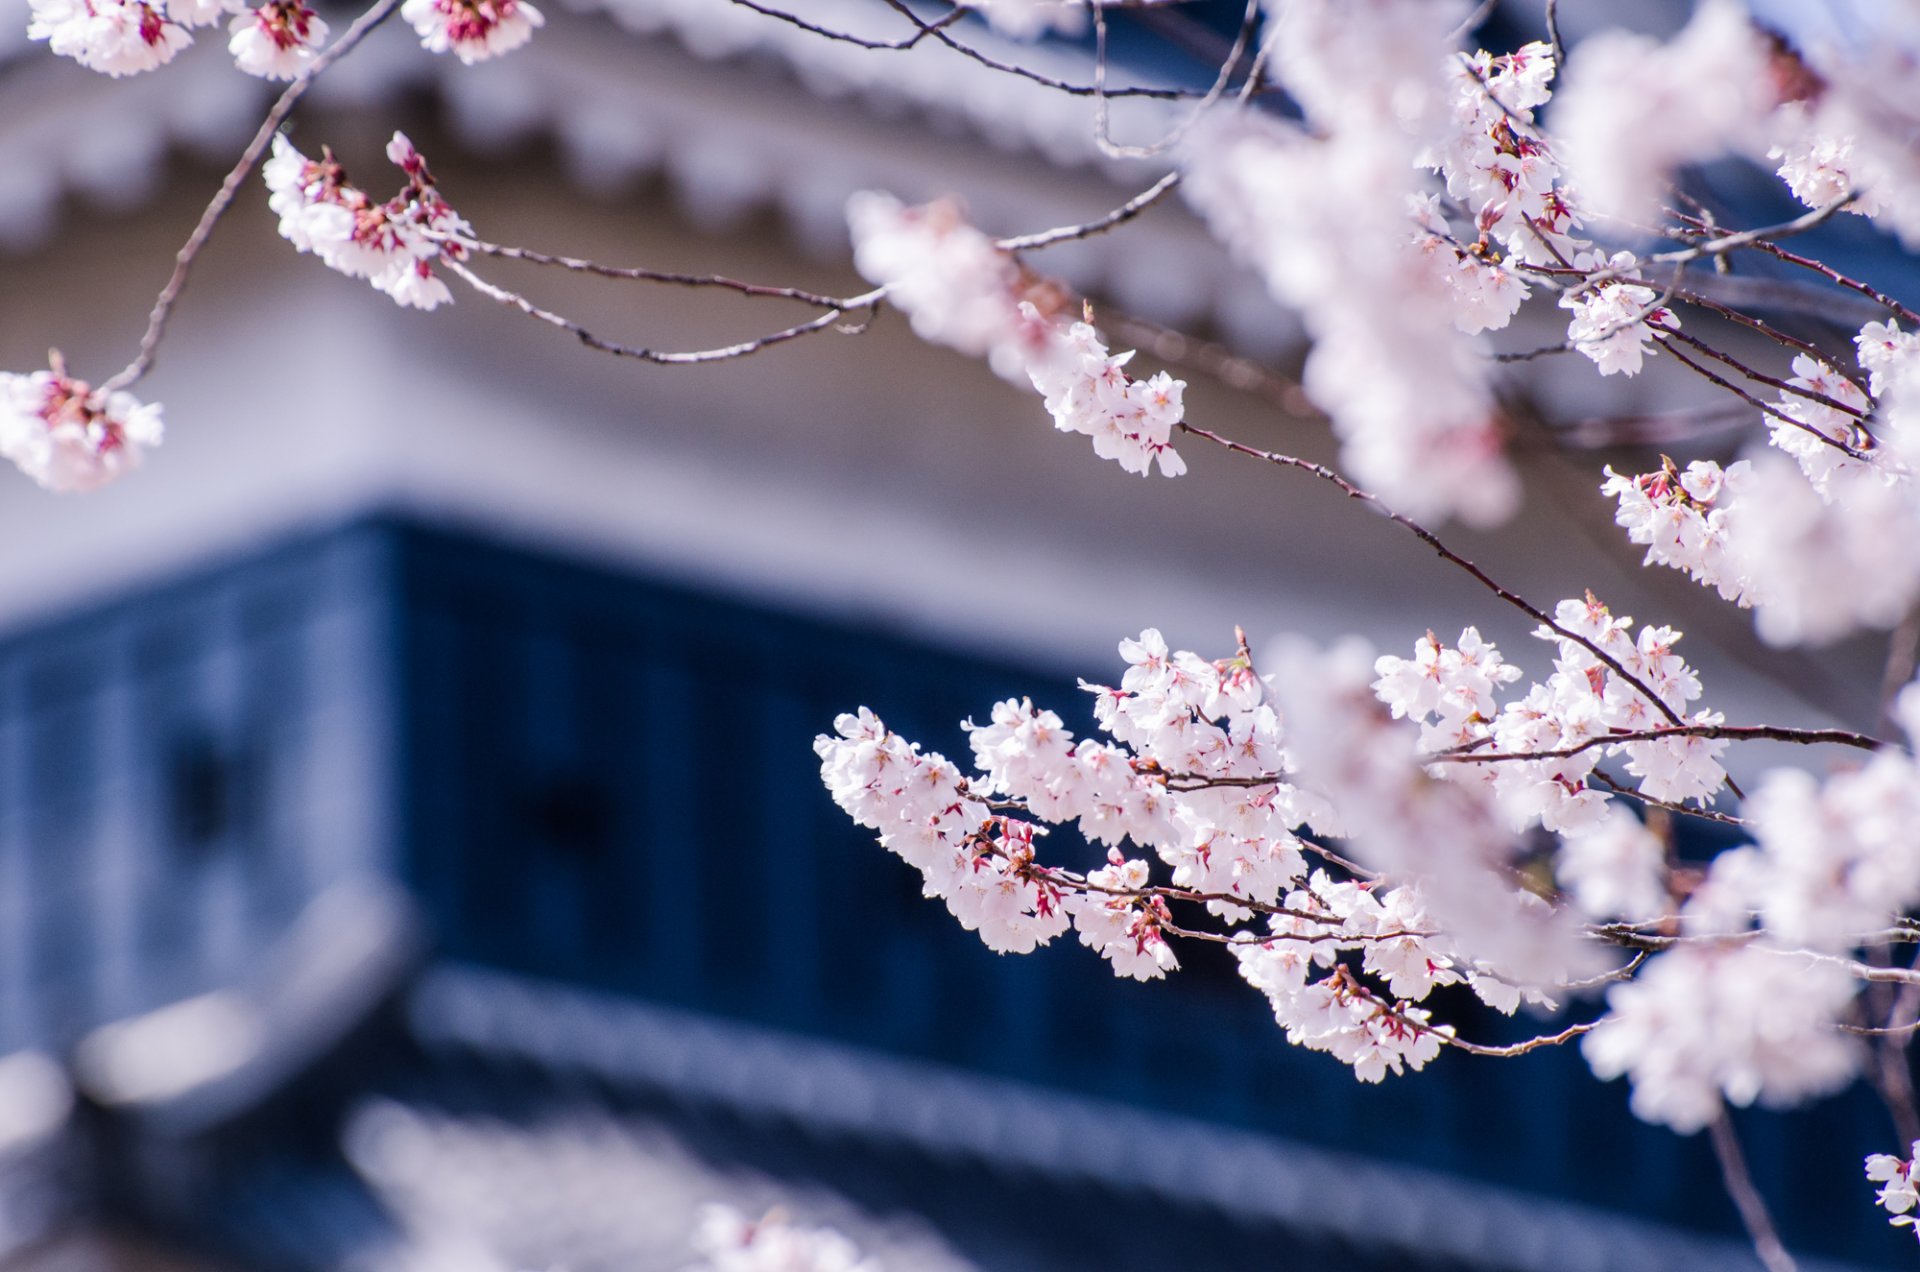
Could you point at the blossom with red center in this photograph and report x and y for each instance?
(67, 435)
(277, 40)
(472, 30)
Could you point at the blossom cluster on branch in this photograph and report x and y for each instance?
(1358, 830)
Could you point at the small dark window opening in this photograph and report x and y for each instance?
(204, 793)
(573, 817)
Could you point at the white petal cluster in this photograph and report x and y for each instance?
(1329, 1015)
(1897, 1194)
(1499, 167)
(953, 283)
(1031, 19)
(1615, 869)
(728, 1241)
(1198, 773)
(1680, 516)
(1438, 825)
(68, 436)
(1832, 860)
(1088, 391)
(1707, 1023)
(1818, 568)
(1330, 215)
(979, 864)
(1610, 319)
(276, 41)
(960, 289)
(1451, 692)
(1809, 439)
(1123, 926)
(1631, 110)
(389, 244)
(472, 30)
(114, 37)
(1851, 127)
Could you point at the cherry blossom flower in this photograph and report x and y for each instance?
(1087, 391)
(472, 30)
(392, 245)
(731, 1242)
(278, 40)
(1680, 516)
(1707, 1023)
(1615, 869)
(954, 284)
(1631, 110)
(1897, 1194)
(115, 37)
(69, 436)
(1610, 318)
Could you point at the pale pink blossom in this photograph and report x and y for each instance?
(472, 30)
(69, 436)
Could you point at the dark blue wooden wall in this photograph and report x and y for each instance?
(610, 782)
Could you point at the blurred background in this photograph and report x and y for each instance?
(411, 849)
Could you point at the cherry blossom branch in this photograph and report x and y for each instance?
(1747, 1199)
(1026, 73)
(1099, 225)
(1205, 357)
(263, 136)
(1731, 732)
(1447, 554)
(1893, 1075)
(1759, 377)
(1834, 276)
(843, 37)
(1102, 132)
(636, 274)
(869, 301)
(1768, 330)
(1518, 1048)
(1705, 814)
(1765, 408)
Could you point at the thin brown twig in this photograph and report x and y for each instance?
(638, 274)
(1705, 814)
(924, 29)
(1835, 277)
(1759, 377)
(740, 350)
(183, 260)
(1447, 554)
(1729, 732)
(1099, 225)
(1045, 81)
(1765, 408)
(1747, 1199)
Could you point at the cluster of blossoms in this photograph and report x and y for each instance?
(959, 288)
(1897, 1193)
(472, 30)
(1088, 391)
(1613, 320)
(1333, 217)
(1811, 530)
(1681, 518)
(69, 436)
(392, 245)
(1708, 1022)
(1582, 704)
(276, 40)
(728, 1241)
(1198, 773)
